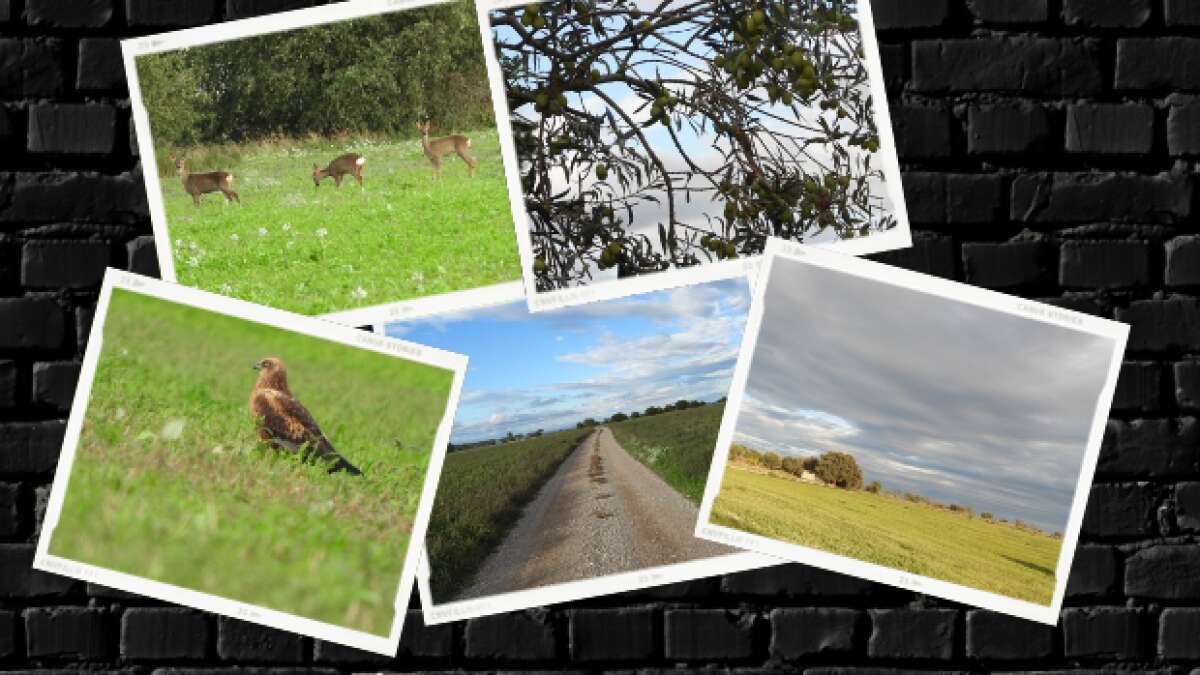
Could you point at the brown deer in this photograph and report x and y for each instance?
(437, 148)
(349, 163)
(196, 184)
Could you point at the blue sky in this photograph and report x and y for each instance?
(956, 402)
(551, 369)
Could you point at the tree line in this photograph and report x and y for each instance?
(375, 75)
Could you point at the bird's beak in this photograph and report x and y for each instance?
(257, 366)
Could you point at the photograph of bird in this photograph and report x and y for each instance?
(285, 424)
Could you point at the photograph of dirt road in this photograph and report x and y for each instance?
(583, 437)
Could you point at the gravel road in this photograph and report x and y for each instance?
(602, 512)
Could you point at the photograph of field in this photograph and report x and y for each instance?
(654, 136)
(582, 439)
(250, 462)
(906, 448)
(334, 166)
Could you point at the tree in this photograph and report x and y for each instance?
(793, 465)
(618, 417)
(840, 469)
(810, 463)
(617, 111)
(772, 460)
(874, 487)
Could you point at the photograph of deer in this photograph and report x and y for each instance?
(379, 94)
(197, 184)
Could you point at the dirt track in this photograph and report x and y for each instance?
(602, 512)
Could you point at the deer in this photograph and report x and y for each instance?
(349, 163)
(437, 148)
(196, 184)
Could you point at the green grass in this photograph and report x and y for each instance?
(678, 446)
(480, 496)
(170, 482)
(318, 250)
(881, 529)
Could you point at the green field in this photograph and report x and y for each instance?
(882, 529)
(678, 446)
(317, 250)
(480, 496)
(171, 483)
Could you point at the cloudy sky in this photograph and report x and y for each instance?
(551, 369)
(952, 401)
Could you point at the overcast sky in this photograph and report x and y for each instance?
(952, 401)
(552, 369)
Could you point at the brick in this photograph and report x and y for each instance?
(425, 642)
(708, 634)
(1181, 13)
(334, 653)
(80, 633)
(1183, 261)
(240, 9)
(1183, 129)
(41, 501)
(31, 323)
(999, 637)
(169, 12)
(156, 634)
(18, 579)
(793, 581)
(5, 10)
(1104, 264)
(968, 199)
(68, 13)
(1100, 197)
(1106, 13)
(899, 14)
(922, 131)
(30, 68)
(143, 256)
(1027, 65)
(83, 324)
(625, 634)
(1187, 506)
(1151, 448)
(810, 631)
(242, 641)
(519, 636)
(1120, 510)
(1163, 572)
(924, 196)
(54, 383)
(1110, 128)
(99, 66)
(1008, 128)
(928, 254)
(1187, 384)
(1094, 572)
(1179, 633)
(1158, 325)
(10, 513)
(30, 447)
(8, 634)
(1009, 264)
(894, 60)
(1007, 12)
(63, 264)
(1103, 632)
(1139, 387)
(9, 381)
(72, 128)
(912, 633)
(1158, 63)
(77, 196)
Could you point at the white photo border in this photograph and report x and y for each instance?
(296, 323)
(952, 291)
(609, 584)
(897, 237)
(229, 31)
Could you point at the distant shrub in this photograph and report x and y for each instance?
(618, 417)
(810, 463)
(916, 499)
(874, 487)
(793, 465)
(772, 460)
(987, 515)
(840, 469)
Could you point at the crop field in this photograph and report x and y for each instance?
(314, 250)
(882, 529)
(170, 481)
(678, 446)
(480, 496)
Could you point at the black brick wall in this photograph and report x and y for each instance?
(1049, 150)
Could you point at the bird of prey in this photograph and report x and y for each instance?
(284, 424)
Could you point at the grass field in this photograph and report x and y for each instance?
(317, 250)
(480, 496)
(884, 530)
(170, 482)
(678, 446)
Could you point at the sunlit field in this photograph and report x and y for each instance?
(170, 481)
(314, 250)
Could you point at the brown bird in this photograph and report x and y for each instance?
(284, 424)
